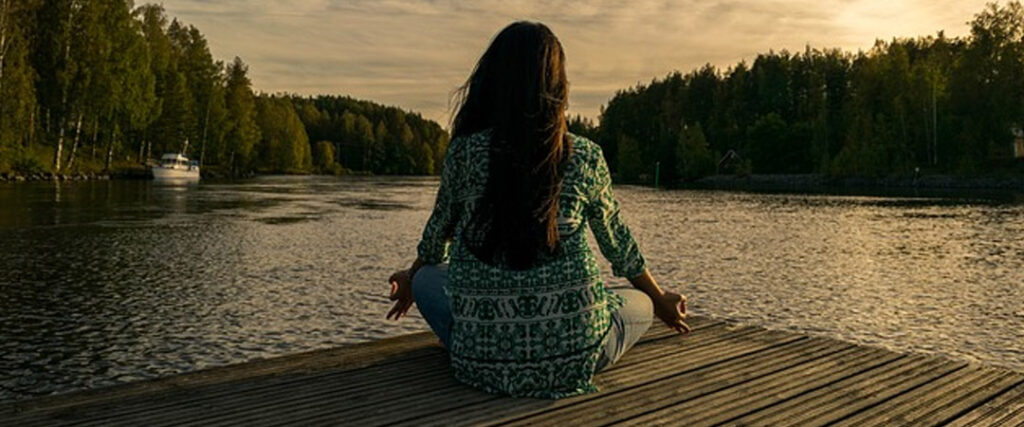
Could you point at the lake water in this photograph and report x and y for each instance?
(109, 282)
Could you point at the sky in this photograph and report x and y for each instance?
(413, 53)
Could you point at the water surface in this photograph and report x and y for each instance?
(109, 282)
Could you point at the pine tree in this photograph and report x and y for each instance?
(241, 114)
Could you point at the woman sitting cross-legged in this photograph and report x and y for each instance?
(504, 275)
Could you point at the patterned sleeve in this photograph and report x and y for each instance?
(613, 237)
(433, 246)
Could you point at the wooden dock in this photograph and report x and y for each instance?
(720, 374)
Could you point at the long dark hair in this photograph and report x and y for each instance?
(519, 91)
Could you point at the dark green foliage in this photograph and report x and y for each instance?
(17, 97)
(284, 145)
(693, 159)
(582, 126)
(323, 158)
(98, 83)
(631, 164)
(939, 104)
(27, 164)
(374, 138)
(243, 131)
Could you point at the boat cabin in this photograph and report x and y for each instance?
(176, 161)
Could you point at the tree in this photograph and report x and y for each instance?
(364, 137)
(122, 83)
(202, 76)
(582, 126)
(379, 160)
(630, 161)
(284, 146)
(693, 159)
(154, 23)
(241, 116)
(323, 157)
(988, 86)
(55, 57)
(947, 105)
(16, 77)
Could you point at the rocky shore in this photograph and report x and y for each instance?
(48, 176)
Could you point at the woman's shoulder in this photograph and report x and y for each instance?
(469, 141)
(479, 136)
(585, 151)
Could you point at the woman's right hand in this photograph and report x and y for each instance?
(401, 293)
(670, 307)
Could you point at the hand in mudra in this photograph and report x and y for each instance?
(401, 293)
(670, 307)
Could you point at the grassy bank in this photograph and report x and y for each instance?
(36, 163)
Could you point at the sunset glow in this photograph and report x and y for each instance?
(412, 53)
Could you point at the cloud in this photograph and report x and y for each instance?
(412, 53)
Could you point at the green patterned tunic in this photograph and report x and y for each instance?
(536, 332)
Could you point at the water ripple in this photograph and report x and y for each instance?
(108, 282)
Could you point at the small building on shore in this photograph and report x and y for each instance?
(1018, 142)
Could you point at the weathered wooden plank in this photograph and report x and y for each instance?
(169, 404)
(1016, 418)
(720, 374)
(623, 404)
(342, 358)
(456, 398)
(901, 409)
(418, 401)
(739, 399)
(697, 356)
(211, 409)
(658, 330)
(673, 346)
(849, 395)
(202, 394)
(941, 411)
(1000, 410)
(356, 380)
(645, 365)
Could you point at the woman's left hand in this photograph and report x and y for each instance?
(401, 293)
(670, 307)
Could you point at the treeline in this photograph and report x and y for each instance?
(99, 85)
(369, 137)
(934, 104)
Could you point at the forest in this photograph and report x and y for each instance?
(100, 86)
(936, 105)
(92, 85)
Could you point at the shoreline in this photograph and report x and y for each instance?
(763, 182)
(121, 174)
(815, 182)
(77, 176)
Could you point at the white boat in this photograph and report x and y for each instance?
(176, 167)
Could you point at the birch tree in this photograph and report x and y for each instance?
(16, 75)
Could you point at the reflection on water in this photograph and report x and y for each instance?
(107, 282)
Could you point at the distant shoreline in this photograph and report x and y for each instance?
(135, 174)
(822, 182)
(765, 182)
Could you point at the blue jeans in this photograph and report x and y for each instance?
(629, 322)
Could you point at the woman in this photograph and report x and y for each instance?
(520, 303)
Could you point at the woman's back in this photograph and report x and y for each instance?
(539, 331)
(521, 305)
